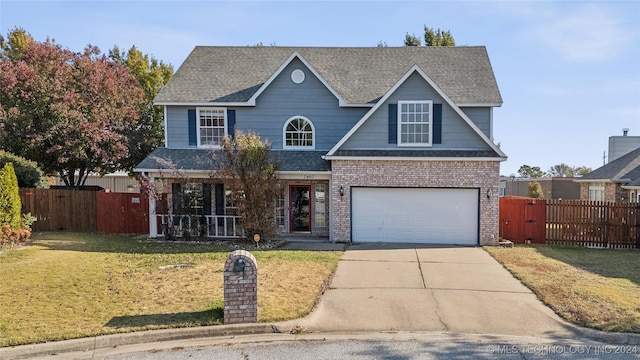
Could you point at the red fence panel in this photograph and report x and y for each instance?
(523, 220)
(122, 213)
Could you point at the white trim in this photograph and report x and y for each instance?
(304, 175)
(409, 158)
(243, 104)
(284, 134)
(164, 121)
(480, 105)
(399, 122)
(491, 124)
(592, 180)
(294, 55)
(225, 130)
(404, 78)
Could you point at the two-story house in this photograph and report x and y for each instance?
(375, 144)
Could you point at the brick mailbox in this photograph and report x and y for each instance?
(240, 288)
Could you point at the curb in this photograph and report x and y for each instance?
(153, 336)
(607, 337)
(132, 338)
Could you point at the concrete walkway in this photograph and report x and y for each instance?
(389, 287)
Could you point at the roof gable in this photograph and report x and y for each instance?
(417, 70)
(624, 167)
(359, 76)
(295, 55)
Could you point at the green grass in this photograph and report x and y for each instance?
(595, 288)
(69, 285)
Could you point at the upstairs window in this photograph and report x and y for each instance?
(211, 126)
(415, 123)
(299, 133)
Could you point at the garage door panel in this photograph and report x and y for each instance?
(425, 215)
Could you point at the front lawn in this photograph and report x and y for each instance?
(594, 288)
(69, 285)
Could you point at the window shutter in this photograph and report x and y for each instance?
(231, 122)
(393, 123)
(437, 124)
(206, 199)
(193, 133)
(219, 199)
(176, 198)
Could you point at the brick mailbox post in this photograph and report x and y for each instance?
(240, 288)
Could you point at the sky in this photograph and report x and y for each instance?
(568, 71)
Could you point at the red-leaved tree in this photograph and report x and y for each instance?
(67, 111)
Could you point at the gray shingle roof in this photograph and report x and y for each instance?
(359, 75)
(204, 160)
(624, 167)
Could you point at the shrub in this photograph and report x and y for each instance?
(12, 237)
(28, 173)
(10, 204)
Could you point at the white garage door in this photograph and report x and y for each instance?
(415, 215)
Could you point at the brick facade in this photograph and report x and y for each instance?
(412, 173)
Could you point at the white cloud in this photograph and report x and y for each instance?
(589, 33)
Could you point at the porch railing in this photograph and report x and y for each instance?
(206, 226)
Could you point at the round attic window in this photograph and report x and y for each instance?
(297, 76)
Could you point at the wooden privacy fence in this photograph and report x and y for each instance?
(86, 211)
(570, 222)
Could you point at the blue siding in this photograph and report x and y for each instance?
(282, 100)
(178, 127)
(456, 133)
(481, 116)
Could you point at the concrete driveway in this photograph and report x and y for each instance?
(391, 287)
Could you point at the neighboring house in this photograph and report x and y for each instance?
(617, 181)
(375, 144)
(118, 181)
(552, 187)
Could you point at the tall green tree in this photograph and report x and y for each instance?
(561, 170)
(252, 181)
(411, 40)
(581, 170)
(68, 111)
(152, 74)
(28, 173)
(438, 37)
(10, 205)
(432, 37)
(17, 41)
(527, 171)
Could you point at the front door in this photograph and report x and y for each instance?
(300, 210)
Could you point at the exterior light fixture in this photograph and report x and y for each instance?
(341, 191)
(489, 193)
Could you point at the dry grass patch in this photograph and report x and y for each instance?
(594, 288)
(76, 285)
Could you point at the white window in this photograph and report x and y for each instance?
(279, 207)
(596, 191)
(415, 123)
(299, 133)
(211, 126)
(319, 205)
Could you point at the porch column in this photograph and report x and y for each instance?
(153, 219)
